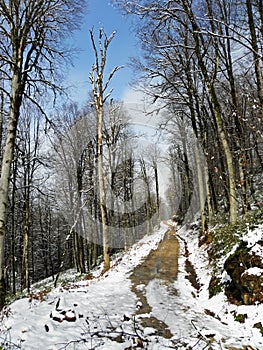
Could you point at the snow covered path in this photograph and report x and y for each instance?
(104, 313)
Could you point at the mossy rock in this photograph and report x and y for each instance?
(226, 237)
(252, 282)
(244, 288)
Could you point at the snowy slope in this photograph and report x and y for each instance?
(98, 313)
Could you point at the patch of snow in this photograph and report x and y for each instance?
(253, 236)
(256, 271)
(257, 249)
(141, 287)
(225, 277)
(149, 331)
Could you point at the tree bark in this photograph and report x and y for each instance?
(102, 195)
(8, 156)
(255, 50)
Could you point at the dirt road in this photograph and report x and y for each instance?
(161, 264)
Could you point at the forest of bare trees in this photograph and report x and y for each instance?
(75, 186)
(203, 61)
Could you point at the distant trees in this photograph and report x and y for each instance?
(128, 180)
(73, 135)
(197, 63)
(31, 34)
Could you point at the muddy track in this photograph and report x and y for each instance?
(161, 264)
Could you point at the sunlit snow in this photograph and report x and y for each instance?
(99, 313)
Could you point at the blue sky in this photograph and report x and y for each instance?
(102, 14)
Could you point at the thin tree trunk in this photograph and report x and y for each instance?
(25, 264)
(242, 164)
(75, 251)
(149, 207)
(201, 184)
(210, 208)
(155, 167)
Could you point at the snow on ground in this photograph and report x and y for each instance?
(98, 313)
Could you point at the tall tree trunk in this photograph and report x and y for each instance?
(8, 156)
(1, 122)
(99, 88)
(238, 113)
(255, 50)
(218, 115)
(230, 164)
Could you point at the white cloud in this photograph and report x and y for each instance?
(140, 109)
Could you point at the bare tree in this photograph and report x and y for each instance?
(184, 67)
(31, 34)
(100, 95)
(71, 160)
